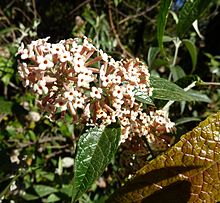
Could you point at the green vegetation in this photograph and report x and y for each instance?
(61, 156)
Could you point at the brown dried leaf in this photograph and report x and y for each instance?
(187, 172)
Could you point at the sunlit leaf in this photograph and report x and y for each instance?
(187, 172)
(96, 148)
(53, 198)
(165, 90)
(162, 20)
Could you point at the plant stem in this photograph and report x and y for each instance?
(177, 42)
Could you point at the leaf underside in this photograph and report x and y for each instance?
(187, 172)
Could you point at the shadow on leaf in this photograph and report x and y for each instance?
(153, 177)
(176, 192)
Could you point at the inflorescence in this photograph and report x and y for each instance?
(73, 75)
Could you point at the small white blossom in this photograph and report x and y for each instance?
(96, 93)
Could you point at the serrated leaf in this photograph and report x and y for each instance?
(189, 13)
(192, 51)
(187, 172)
(43, 190)
(161, 21)
(96, 148)
(166, 90)
(5, 106)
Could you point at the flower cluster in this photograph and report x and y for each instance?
(73, 75)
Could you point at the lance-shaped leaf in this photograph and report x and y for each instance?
(162, 20)
(189, 13)
(187, 172)
(192, 51)
(166, 90)
(96, 148)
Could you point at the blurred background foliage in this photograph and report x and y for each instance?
(36, 155)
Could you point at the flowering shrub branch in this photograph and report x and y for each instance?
(74, 75)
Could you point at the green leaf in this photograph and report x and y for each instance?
(29, 197)
(53, 198)
(143, 97)
(189, 13)
(198, 96)
(8, 30)
(67, 190)
(43, 190)
(187, 80)
(152, 53)
(192, 51)
(186, 120)
(161, 21)
(177, 72)
(96, 148)
(165, 90)
(5, 106)
(187, 172)
(7, 188)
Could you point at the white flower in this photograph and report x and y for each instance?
(79, 63)
(61, 104)
(116, 79)
(57, 48)
(65, 56)
(106, 80)
(71, 94)
(118, 92)
(101, 114)
(79, 103)
(84, 80)
(96, 93)
(88, 45)
(45, 62)
(103, 55)
(40, 87)
(25, 54)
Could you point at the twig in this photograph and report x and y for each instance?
(78, 7)
(138, 14)
(41, 141)
(13, 85)
(210, 83)
(34, 8)
(125, 52)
